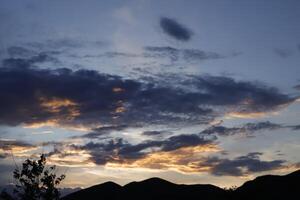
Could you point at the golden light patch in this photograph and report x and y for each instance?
(51, 122)
(118, 90)
(18, 151)
(56, 105)
(57, 123)
(246, 115)
(184, 160)
(120, 109)
(72, 158)
(63, 110)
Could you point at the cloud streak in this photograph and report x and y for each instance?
(175, 54)
(15, 147)
(248, 129)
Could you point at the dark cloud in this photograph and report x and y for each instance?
(28, 62)
(249, 97)
(179, 141)
(118, 150)
(297, 87)
(153, 133)
(284, 53)
(248, 128)
(242, 165)
(112, 54)
(30, 95)
(19, 51)
(174, 54)
(101, 131)
(196, 54)
(296, 127)
(175, 30)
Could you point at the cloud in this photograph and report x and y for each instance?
(174, 54)
(297, 87)
(243, 165)
(58, 44)
(284, 53)
(296, 127)
(175, 30)
(196, 54)
(13, 144)
(63, 97)
(19, 51)
(183, 153)
(118, 150)
(248, 128)
(183, 160)
(154, 133)
(16, 147)
(161, 52)
(28, 62)
(105, 130)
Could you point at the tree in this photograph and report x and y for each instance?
(36, 181)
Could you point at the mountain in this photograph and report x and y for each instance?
(10, 188)
(153, 188)
(271, 187)
(108, 190)
(265, 187)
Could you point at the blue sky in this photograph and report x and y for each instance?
(190, 91)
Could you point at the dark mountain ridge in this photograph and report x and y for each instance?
(263, 187)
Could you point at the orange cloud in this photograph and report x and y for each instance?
(246, 115)
(184, 160)
(16, 148)
(63, 110)
(71, 158)
(57, 105)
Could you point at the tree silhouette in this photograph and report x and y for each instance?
(36, 181)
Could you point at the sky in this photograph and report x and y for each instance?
(189, 91)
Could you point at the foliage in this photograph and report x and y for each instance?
(36, 181)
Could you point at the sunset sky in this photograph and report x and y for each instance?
(198, 91)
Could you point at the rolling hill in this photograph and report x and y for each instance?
(263, 187)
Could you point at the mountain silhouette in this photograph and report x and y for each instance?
(271, 187)
(264, 187)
